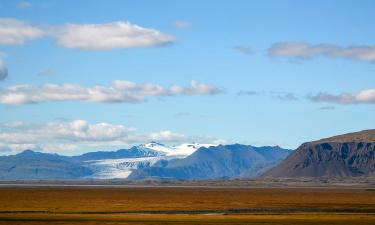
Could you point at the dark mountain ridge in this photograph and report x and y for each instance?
(348, 155)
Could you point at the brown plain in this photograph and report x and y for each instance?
(164, 205)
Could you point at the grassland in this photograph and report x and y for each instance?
(164, 205)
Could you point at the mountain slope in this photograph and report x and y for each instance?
(133, 152)
(30, 165)
(219, 162)
(347, 155)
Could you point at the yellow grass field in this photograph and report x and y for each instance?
(164, 205)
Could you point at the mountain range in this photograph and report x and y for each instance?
(151, 160)
(348, 155)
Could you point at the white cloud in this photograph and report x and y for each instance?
(364, 96)
(16, 32)
(77, 134)
(119, 91)
(182, 24)
(3, 71)
(106, 36)
(113, 35)
(306, 50)
(24, 5)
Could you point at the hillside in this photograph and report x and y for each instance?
(348, 155)
(30, 165)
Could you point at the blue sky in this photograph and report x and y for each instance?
(253, 72)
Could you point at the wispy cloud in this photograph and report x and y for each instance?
(3, 71)
(24, 5)
(243, 49)
(119, 91)
(280, 95)
(364, 96)
(250, 93)
(182, 114)
(46, 72)
(327, 108)
(182, 24)
(286, 96)
(78, 134)
(16, 32)
(303, 50)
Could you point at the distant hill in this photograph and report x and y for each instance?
(216, 162)
(30, 165)
(347, 155)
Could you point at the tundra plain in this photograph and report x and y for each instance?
(186, 205)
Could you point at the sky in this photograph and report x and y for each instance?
(78, 76)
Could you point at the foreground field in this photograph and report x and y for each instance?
(287, 219)
(163, 205)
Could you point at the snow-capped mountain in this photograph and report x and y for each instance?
(120, 164)
(216, 162)
(175, 150)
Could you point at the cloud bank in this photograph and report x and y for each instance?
(303, 50)
(364, 96)
(77, 134)
(120, 91)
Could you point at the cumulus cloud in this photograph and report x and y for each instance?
(16, 32)
(303, 50)
(77, 134)
(364, 96)
(106, 36)
(119, 91)
(243, 49)
(109, 36)
(182, 24)
(3, 71)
